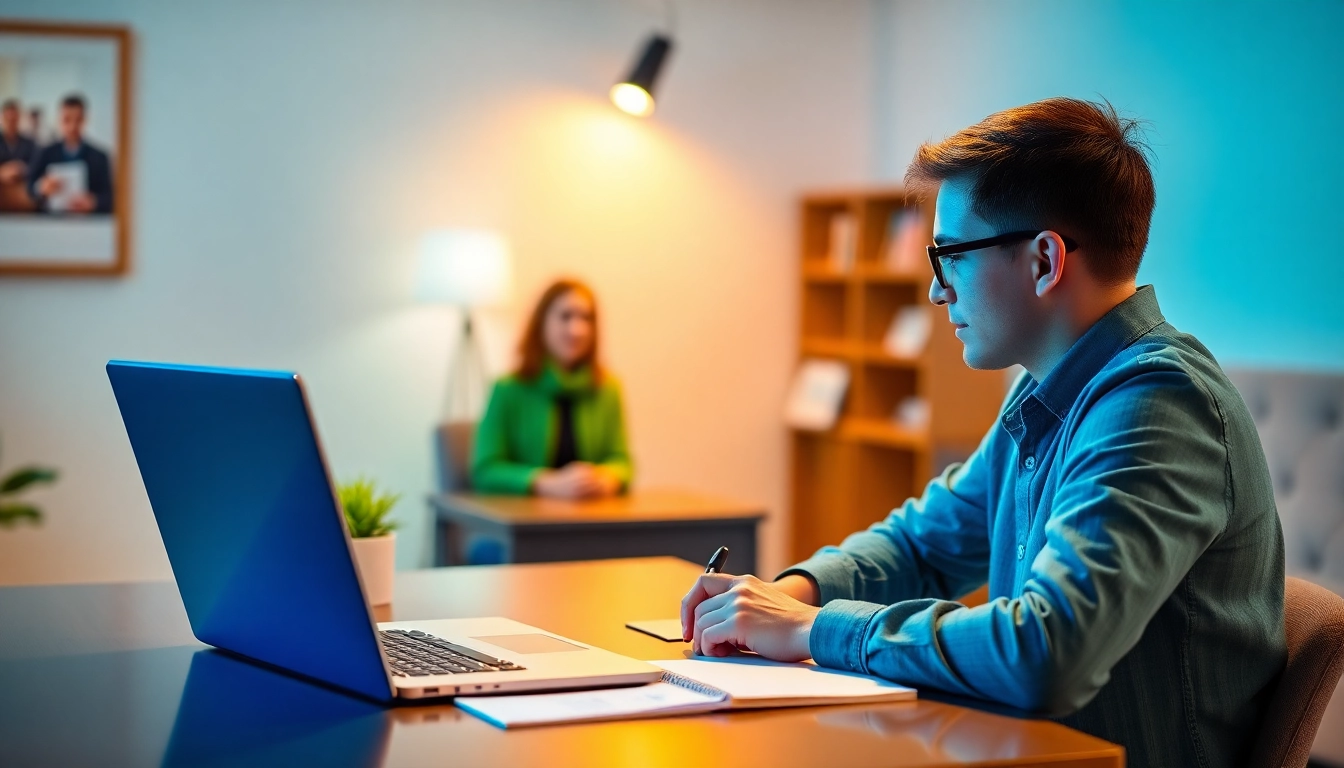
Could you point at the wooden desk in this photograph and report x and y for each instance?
(528, 529)
(86, 679)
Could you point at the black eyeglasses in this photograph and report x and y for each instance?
(937, 252)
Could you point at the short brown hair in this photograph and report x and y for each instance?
(532, 348)
(1059, 163)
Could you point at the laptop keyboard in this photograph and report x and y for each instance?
(413, 653)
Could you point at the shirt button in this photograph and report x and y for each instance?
(1029, 462)
(1021, 551)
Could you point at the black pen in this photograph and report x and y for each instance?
(717, 562)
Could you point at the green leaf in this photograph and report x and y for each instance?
(22, 478)
(366, 509)
(13, 513)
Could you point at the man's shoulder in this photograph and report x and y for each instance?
(1162, 370)
(93, 154)
(1165, 358)
(49, 153)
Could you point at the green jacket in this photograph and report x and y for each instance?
(515, 440)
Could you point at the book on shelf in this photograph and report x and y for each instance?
(912, 413)
(691, 686)
(816, 395)
(909, 331)
(841, 241)
(905, 241)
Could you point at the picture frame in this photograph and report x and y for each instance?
(65, 149)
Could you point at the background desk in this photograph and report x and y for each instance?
(85, 679)
(528, 529)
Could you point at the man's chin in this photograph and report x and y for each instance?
(979, 360)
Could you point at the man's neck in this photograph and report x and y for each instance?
(73, 147)
(1076, 318)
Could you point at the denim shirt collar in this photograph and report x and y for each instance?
(1117, 329)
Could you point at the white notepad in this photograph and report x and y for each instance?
(689, 686)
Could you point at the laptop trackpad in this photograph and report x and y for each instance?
(533, 643)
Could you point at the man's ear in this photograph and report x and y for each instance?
(1047, 257)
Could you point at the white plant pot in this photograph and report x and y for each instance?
(376, 559)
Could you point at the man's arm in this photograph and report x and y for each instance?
(100, 181)
(36, 172)
(938, 543)
(1142, 495)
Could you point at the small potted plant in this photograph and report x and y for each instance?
(366, 511)
(11, 510)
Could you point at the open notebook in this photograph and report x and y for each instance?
(688, 686)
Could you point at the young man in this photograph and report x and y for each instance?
(73, 147)
(1120, 511)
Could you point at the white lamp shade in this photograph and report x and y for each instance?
(464, 267)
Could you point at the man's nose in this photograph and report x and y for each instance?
(937, 293)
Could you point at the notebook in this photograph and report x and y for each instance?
(690, 686)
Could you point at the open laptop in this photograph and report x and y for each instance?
(258, 544)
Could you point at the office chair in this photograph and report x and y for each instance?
(1314, 625)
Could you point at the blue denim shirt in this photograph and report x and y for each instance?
(1122, 514)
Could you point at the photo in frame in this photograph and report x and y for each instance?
(65, 160)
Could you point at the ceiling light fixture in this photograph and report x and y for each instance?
(634, 94)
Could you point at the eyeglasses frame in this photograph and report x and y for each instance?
(936, 252)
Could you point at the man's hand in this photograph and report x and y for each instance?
(83, 203)
(12, 172)
(723, 613)
(49, 185)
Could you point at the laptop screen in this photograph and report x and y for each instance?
(238, 485)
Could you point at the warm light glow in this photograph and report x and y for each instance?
(633, 99)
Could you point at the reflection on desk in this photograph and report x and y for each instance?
(237, 713)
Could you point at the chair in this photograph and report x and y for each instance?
(453, 443)
(1314, 625)
(1300, 418)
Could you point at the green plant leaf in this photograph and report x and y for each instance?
(366, 509)
(13, 513)
(25, 477)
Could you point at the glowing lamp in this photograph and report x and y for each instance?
(634, 94)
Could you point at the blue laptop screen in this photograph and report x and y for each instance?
(235, 475)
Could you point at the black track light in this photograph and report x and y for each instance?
(634, 94)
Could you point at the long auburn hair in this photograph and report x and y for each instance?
(532, 351)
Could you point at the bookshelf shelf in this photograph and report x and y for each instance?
(880, 432)
(876, 354)
(822, 272)
(881, 274)
(847, 478)
(817, 346)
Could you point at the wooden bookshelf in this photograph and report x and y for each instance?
(851, 476)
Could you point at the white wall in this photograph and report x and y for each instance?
(1243, 109)
(288, 156)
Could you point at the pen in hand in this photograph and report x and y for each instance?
(715, 565)
(718, 561)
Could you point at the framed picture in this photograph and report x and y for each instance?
(65, 160)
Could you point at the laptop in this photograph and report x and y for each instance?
(257, 541)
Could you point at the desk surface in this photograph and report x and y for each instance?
(88, 677)
(641, 506)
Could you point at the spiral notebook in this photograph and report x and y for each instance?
(690, 686)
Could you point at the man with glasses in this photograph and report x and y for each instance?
(1120, 510)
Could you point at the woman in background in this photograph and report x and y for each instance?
(555, 426)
